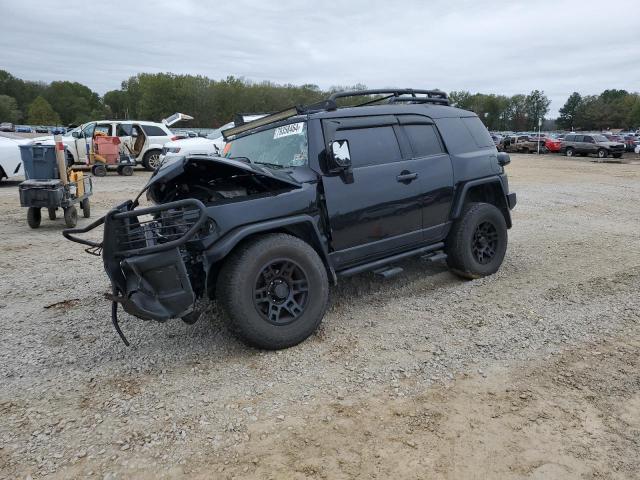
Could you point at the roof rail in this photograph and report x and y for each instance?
(396, 95)
(392, 95)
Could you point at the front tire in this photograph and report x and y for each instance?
(71, 216)
(151, 160)
(477, 242)
(34, 217)
(274, 291)
(602, 153)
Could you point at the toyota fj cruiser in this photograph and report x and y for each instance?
(301, 198)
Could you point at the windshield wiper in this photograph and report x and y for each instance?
(247, 159)
(273, 165)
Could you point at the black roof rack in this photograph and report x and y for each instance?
(391, 95)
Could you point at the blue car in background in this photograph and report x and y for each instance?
(58, 131)
(23, 129)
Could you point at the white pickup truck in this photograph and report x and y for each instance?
(10, 159)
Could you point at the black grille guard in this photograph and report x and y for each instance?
(117, 219)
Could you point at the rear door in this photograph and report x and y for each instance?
(435, 172)
(376, 208)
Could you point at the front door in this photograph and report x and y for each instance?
(83, 142)
(376, 207)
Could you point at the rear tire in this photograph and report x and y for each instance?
(151, 160)
(477, 242)
(274, 291)
(99, 170)
(34, 217)
(570, 152)
(71, 216)
(127, 170)
(86, 208)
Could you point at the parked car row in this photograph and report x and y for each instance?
(10, 127)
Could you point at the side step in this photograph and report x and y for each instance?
(388, 272)
(435, 256)
(384, 263)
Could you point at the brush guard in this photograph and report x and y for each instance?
(144, 251)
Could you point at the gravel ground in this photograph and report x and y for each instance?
(531, 373)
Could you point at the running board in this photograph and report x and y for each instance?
(435, 257)
(383, 262)
(388, 272)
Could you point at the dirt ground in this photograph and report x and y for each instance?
(533, 373)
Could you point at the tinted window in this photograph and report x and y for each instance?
(424, 140)
(578, 138)
(478, 131)
(371, 146)
(123, 130)
(588, 139)
(569, 138)
(153, 131)
(456, 136)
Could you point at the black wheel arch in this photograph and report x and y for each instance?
(488, 190)
(303, 227)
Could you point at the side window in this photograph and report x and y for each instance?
(569, 138)
(423, 139)
(371, 146)
(578, 138)
(123, 130)
(588, 139)
(87, 132)
(478, 131)
(153, 131)
(104, 128)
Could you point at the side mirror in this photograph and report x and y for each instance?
(76, 134)
(340, 154)
(503, 159)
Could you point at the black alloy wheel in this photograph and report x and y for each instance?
(281, 292)
(485, 242)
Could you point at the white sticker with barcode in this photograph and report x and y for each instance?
(286, 130)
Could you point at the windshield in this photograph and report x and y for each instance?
(281, 147)
(600, 138)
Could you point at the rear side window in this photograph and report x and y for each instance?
(569, 138)
(456, 135)
(123, 130)
(153, 131)
(578, 138)
(478, 131)
(424, 140)
(371, 146)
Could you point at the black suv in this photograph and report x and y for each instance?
(301, 198)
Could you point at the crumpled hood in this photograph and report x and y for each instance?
(176, 166)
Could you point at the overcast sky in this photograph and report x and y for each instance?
(495, 46)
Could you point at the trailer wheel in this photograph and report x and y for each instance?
(126, 171)
(71, 216)
(99, 170)
(34, 217)
(86, 208)
(52, 213)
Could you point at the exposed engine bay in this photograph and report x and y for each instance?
(214, 181)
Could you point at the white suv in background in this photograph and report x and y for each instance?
(212, 144)
(141, 139)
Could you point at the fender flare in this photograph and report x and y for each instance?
(221, 248)
(461, 194)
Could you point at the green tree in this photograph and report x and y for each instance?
(41, 113)
(568, 112)
(536, 108)
(9, 109)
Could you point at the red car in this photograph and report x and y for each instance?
(552, 144)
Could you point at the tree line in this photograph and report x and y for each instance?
(214, 102)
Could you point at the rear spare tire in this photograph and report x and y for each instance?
(274, 291)
(477, 242)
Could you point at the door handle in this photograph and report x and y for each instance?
(406, 177)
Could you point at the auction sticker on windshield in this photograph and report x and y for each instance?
(286, 130)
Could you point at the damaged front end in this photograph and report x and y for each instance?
(154, 256)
